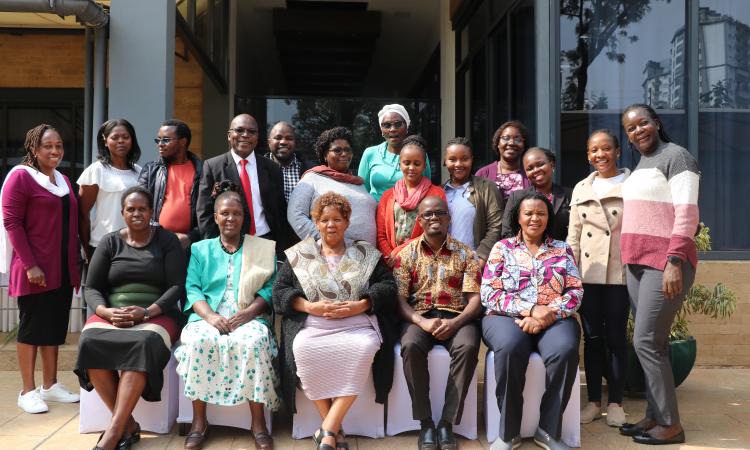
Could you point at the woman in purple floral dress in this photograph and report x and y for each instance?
(530, 288)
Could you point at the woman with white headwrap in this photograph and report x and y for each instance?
(379, 166)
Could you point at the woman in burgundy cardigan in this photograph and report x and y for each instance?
(40, 224)
(510, 141)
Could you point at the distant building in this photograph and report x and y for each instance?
(723, 54)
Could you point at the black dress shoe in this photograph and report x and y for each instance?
(631, 429)
(445, 437)
(645, 438)
(427, 438)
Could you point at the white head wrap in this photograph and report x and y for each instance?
(398, 109)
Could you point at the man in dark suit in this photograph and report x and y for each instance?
(260, 183)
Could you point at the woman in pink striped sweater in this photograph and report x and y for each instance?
(660, 216)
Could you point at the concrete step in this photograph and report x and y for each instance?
(66, 359)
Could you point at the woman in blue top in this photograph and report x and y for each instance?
(228, 344)
(379, 166)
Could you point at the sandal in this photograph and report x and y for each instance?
(342, 444)
(318, 439)
(126, 442)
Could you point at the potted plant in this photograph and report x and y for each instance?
(717, 303)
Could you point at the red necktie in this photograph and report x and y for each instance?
(245, 180)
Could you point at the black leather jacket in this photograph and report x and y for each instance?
(154, 178)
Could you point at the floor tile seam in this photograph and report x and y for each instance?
(74, 417)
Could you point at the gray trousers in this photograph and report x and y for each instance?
(654, 315)
(558, 347)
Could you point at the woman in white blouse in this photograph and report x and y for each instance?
(104, 181)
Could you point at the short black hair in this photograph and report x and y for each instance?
(515, 212)
(182, 130)
(511, 123)
(101, 142)
(225, 189)
(547, 153)
(608, 132)
(459, 140)
(138, 189)
(326, 138)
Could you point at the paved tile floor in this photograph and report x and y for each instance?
(714, 403)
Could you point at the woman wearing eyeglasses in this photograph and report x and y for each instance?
(104, 181)
(510, 141)
(397, 209)
(379, 167)
(334, 150)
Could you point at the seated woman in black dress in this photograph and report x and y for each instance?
(135, 278)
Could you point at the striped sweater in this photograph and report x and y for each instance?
(660, 214)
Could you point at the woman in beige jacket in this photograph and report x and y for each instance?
(594, 236)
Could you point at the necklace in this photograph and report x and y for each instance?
(239, 246)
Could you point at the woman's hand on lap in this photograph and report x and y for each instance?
(240, 318)
(219, 322)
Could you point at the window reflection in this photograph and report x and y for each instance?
(613, 54)
(724, 68)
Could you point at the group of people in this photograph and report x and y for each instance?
(207, 252)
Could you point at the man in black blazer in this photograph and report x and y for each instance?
(265, 181)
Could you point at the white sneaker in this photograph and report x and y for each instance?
(590, 412)
(58, 393)
(615, 415)
(32, 403)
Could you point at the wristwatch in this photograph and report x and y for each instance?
(674, 260)
(145, 315)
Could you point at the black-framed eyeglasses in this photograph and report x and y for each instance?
(395, 124)
(341, 150)
(242, 131)
(439, 213)
(164, 140)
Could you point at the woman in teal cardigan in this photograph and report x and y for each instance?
(379, 166)
(228, 344)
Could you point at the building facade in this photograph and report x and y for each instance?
(563, 67)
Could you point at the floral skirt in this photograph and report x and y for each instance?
(229, 369)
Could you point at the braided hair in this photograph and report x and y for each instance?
(655, 117)
(33, 141)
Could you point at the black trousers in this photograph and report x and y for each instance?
(558, 347)
(464, 350)
(604, 316)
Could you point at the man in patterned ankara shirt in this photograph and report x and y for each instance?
(438, 281)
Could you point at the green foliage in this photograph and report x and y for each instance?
(717, 303)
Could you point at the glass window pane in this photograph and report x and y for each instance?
(478, 107)
(614, 55)
(724, 78)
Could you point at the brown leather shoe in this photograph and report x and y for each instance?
(263, 441)
(196, 439)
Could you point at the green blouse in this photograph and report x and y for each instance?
(207, 277)
(380, 169)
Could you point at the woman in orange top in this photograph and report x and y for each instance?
(397, 209)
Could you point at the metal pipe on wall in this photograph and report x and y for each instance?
(87, 12)
(88, 87)
(100, 93)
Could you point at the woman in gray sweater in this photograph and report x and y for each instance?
(334, 150)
